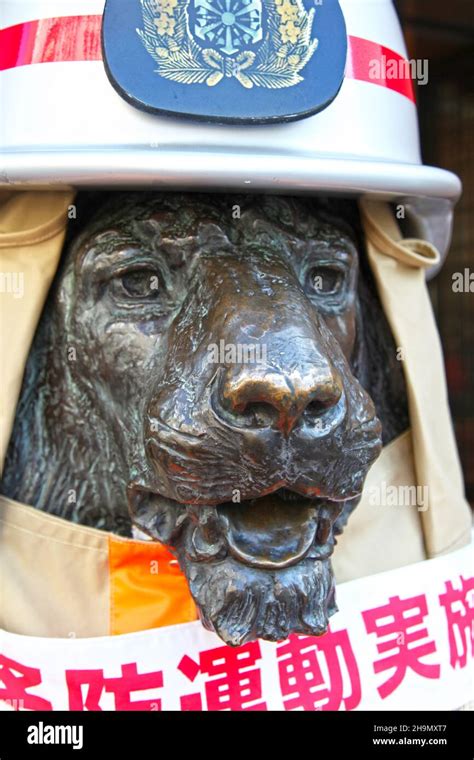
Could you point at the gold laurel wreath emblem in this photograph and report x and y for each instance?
(285, 50)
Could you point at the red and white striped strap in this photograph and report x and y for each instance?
(78, 38)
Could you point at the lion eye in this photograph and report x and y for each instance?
(325, 280)
(143, 283)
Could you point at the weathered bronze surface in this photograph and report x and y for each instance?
(208, 363)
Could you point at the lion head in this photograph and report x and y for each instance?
(204, 369)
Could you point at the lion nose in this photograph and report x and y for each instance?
(253, 398)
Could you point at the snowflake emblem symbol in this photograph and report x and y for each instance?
(229, 25)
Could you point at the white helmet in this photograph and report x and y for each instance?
(64, 124)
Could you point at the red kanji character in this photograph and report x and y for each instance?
(302, 681)
(94, 680)
(459, 609)
(121, 687)
(396, 620)
(189, 668)
(235, 682)
(16, 679)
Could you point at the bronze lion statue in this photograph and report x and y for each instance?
(216, 370)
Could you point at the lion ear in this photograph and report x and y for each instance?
(154, 515)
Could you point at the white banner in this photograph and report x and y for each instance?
(403, 640)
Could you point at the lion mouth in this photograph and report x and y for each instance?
(272, 531)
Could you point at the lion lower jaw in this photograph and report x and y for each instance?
(241, 603)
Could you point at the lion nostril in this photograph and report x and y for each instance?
(327, 398)
(327, 411)
(258, 414)
(315, 409)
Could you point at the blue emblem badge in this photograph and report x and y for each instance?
(238, 61)
(228, 25)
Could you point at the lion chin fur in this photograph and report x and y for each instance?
(242, 604)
